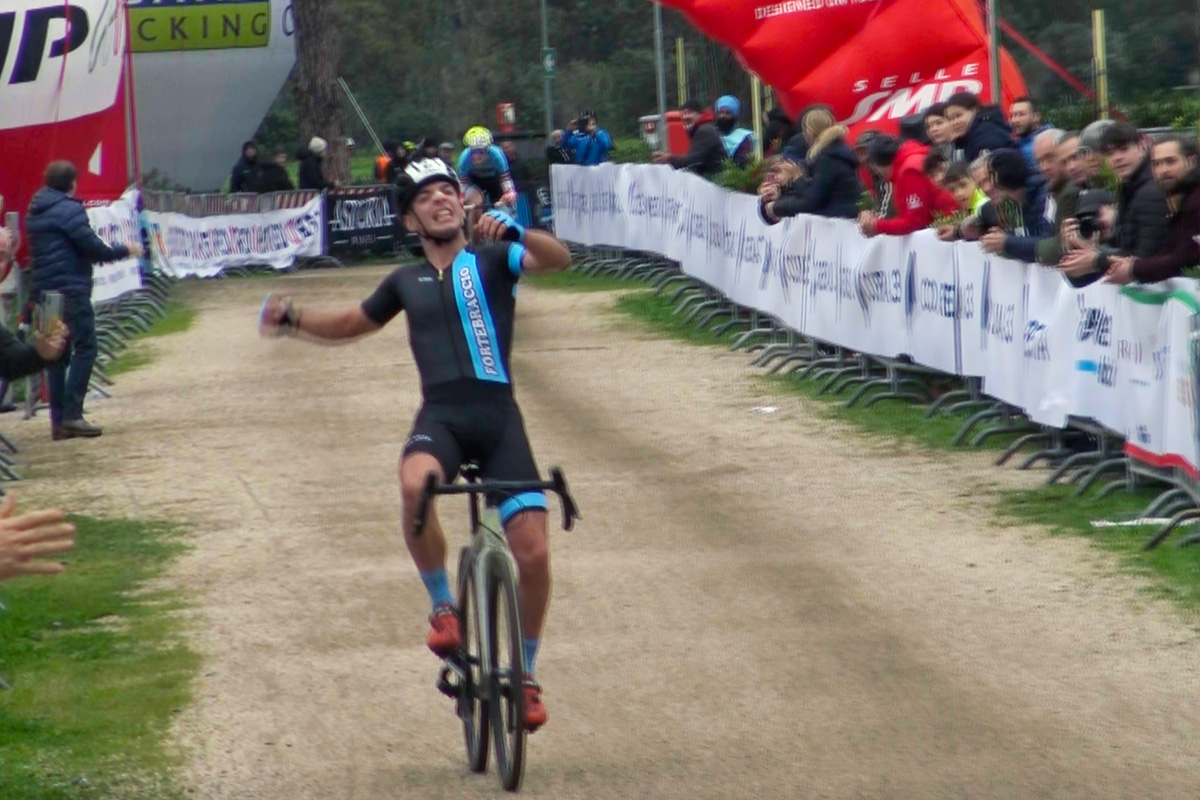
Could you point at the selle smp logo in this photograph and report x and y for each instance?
(478, 325)
(888, 99)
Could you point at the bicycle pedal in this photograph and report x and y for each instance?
(451, 678)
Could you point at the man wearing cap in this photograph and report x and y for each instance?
(312, 160)
(707, 151)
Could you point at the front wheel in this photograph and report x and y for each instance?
(505, 695)
(473, 708)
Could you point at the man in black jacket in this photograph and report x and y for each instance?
(274, 175)
(1173, 160)
(707, 152)
(244, 177)
(64, 249)
(312, 163)
(1140, 228)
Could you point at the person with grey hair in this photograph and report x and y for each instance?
(1050, 157)
(1091, 154)
(312, 163)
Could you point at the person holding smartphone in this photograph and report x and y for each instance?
(65, 248)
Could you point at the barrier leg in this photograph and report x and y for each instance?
(1009, 426)
(1019, 443)
(1166, 501)
(992, 412)
(1162, 533)
(1094, 474)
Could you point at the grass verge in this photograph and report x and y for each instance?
(179, 318)
(98, 667)
(1172, 573)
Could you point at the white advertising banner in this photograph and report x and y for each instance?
(1121, 357)
(116, 224)
(204, 246)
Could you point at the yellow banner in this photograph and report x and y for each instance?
(200, 25)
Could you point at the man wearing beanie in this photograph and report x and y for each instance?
(1016, 236)
(312, 162)
(707, 151)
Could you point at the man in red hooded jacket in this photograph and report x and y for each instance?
(916, 198)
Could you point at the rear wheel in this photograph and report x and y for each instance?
(508, 672)
(473, 707)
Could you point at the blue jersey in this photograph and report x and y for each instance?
(489, 168)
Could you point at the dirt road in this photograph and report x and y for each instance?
(754, 606)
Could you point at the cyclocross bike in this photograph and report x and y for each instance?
(484, 678)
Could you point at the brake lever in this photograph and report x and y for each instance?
(570, 511)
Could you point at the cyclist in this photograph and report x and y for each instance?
(460, 305)
(484, 171)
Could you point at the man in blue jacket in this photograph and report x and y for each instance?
(590, 143)
(1018, 219)
(64, 249)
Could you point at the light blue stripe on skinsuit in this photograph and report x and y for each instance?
(516, 252)
(521, 502)
(477, 320)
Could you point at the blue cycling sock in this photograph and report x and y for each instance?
(530, 646)
(438, 586)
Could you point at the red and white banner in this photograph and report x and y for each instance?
(872, 61)
(116, 223)
(62, 91)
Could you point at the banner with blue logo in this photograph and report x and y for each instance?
(1121, 357)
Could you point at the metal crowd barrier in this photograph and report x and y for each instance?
(1081, 454)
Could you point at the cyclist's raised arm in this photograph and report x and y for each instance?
(281, 317)
(543, 254)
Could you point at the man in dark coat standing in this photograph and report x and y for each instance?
(244, 177)
(707, 152)
(64, 250)
(312, 165)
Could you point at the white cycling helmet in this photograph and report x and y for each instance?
(422, 173)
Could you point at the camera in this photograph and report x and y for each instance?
(1089, 224)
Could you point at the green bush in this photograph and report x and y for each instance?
(740, 179)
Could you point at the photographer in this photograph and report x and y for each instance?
(590, 143)
(1094, 221)
(1140, 227)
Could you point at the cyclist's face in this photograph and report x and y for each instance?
(438, 208)
(479, 155)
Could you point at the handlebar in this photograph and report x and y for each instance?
(557, 484)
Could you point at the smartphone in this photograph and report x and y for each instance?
(50, 312)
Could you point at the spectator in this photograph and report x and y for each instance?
(1094, 222)
(779, 130)
(937, 128)
(875, 186)
(1015, 236)
(522, 179)
(782, 188)
(1173, 160)
(706, 153)
(64, 249)
(446, 153)
(590, 143)
(312, 162)
(1026, 123)
(970, 200)
(1071, 158)
(1140, 228)
(274, 176)
(384, 160)
(798, 145)
(916, 197)
(977, 128)
(244, 177)
(738, 141)
(1091, 152)
(556, 151)
(1050, 150)
(833, 190)
(935, 166)
(27, 538)
(981, 172)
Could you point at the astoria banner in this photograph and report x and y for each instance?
(361, 219)
(1122, 358)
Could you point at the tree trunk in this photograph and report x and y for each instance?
(318, 96)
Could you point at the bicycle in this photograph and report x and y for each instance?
(485, 677)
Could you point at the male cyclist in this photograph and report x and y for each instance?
(484, 171)
(460, 305)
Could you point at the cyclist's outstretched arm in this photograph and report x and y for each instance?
(281, 317)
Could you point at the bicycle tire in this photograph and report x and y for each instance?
(472, 708)
(505, 694)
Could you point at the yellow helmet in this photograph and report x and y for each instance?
(478, 138)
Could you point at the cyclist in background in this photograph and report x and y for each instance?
(484, 172)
